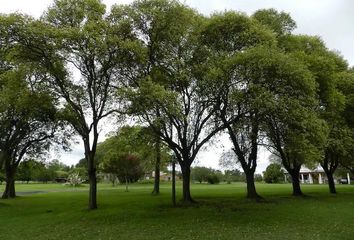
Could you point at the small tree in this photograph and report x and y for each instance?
(74, 179)
(273, 173)
(125, 166)
(213, 178)
(234, 176)
(200, 174)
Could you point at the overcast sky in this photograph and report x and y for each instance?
(332, 20)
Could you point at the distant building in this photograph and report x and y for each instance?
(163, 176)
(313, 176)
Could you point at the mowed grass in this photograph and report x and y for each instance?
(222, 212)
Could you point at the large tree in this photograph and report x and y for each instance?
(293, 129)
(169, 92)
(227, 37)
(83, 51)
(324, 66)
(28, 118)
(329, 71)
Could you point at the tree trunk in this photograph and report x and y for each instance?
(10, 184)
(251, 188)
(174, 183)
(186, 174)
(329, 165)
(156, 190)
(93, 189)
(331, 185)
(126, 184)
(91, 170)
(296, 183)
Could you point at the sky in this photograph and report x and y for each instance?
(332, 20)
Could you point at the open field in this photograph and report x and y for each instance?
(59, 212)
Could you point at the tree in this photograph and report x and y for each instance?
(295, 130)
(79, 35)
(26, 171)
(127, 167)
(227, 36)
(168, 93)
(273, 173)
(29, 119)
(113, 154)
(328, 70)
(292, 126)
(200, 174)
(281, 23)
(213, 178)
(43, 173)
(234, 176)
(342, 140)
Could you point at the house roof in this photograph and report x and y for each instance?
(317, 169)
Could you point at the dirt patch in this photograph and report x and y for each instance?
(30, 193)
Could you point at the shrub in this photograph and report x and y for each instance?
(273, 173)
(74, 179)
(213, 178)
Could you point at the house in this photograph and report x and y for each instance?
(311, 176)
(314, 176)
(164, 176)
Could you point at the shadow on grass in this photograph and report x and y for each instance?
(4, 205)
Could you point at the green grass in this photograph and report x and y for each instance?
(222, 212)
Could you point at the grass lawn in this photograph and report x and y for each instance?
(59, 212)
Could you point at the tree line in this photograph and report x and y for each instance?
(186, 76)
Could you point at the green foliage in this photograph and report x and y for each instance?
(234, 176)
(204, 174)
(81, 172)
(273, 173)
(213, 178)
(200, 174)
(138, 141)
(74, 179)
(32, 170)
(258, 177)
(186, 75)
(126, 167)
(281, 23)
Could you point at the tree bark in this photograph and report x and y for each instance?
(186, 175)
(93, 189)
(156, 190)
(331, 185)
(296, 182)
(329, 165)
(251, 187)
(126, 183)
(174, 183)
(92, 181)
(10, 183)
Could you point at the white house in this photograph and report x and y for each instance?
(311, 176)
(316, 175)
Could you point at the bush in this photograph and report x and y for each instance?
(213, 178)
(74, 179)
(146, 181)
(273, 173)
(200, 174)
(234, 176)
